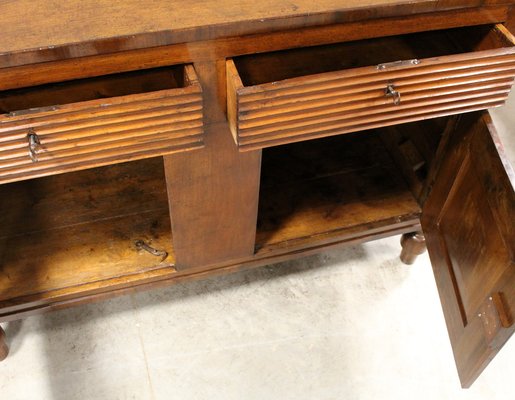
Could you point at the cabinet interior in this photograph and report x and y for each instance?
(257, 69)
(328, 188)
(60, 233)
(101, 87)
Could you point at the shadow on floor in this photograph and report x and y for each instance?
(76, 340)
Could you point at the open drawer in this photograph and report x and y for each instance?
(86, 123)
(294, 95)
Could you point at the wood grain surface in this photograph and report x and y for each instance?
(297, 97)
(328, 188)
(469, 224)
(65, 231)
(413, 147)
(213, 192)
(42, 69)
(76, 28)
(99, 121)
(71, 238)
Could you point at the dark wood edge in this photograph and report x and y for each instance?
(508, 167)
(413, 244)
(191, 78)
(4, 349)
(370, 72)
(40, 72)
(327, 238)
(34, 307)
(234, 85)
(108, 45)
(456, 319)
(504, 36)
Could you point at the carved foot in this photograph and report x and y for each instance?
(4, 350)
(413, 244)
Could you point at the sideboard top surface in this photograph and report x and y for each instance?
(52, 29)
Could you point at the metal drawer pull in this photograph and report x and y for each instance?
(400, 63)
(391, 92)
(141, 245)
(34, 145)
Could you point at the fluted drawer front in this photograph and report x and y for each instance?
(67, 137)
(348, 100)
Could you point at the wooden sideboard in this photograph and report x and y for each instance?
(143, 146)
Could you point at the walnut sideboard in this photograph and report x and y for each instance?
(147, 144)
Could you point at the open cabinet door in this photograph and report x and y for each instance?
(469, 224)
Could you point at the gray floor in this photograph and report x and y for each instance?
(348, 324)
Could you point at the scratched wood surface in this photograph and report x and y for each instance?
(99, 121)
(54, 22)
(469, 224)
(64, 231)
(43, 68)
(78, 28)
(331, 187)
(315, 92)
(70, 239)
(213, 191)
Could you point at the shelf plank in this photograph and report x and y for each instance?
(330, 188)
(69, 230)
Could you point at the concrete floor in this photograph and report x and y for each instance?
(347, 324)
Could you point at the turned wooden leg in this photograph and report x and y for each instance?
(4, 350)
(413, 244)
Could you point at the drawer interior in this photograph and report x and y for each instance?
(270, 67)
(322, 190)
(102, 87)
(61, 234)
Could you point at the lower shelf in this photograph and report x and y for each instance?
(72, 238)
(322, 190)
(62, 233)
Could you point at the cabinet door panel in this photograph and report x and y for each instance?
(469, 223)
